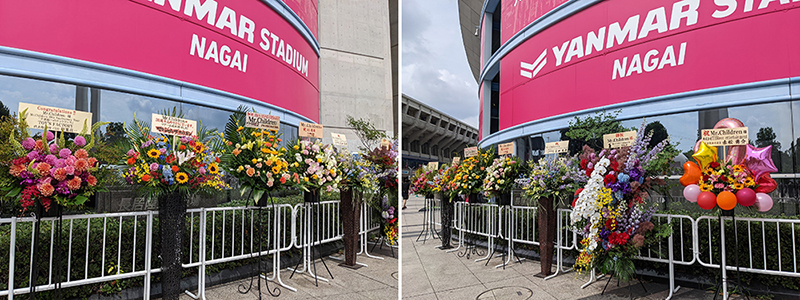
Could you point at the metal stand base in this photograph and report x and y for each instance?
(428, 222)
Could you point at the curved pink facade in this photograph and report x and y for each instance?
(618, 51)
(516, 14)
(241, 47)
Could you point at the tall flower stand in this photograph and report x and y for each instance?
(310, 234)
(260, 231)
(447, 221)
(506, 232)
(57, 258)
(470, 248)
(547, 233)
(350, 213)
(171, 216)
(428, 220)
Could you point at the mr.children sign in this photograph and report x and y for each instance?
(622, 50)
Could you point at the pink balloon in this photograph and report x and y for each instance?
(690, 192)
(736, 154)
(746, 197)
(763, 202)
(759, 160)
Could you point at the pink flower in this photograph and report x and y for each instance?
(33, 155)
(28, 144)
(60, 163)
(201, 170)
(59, 174)
(50, 136)
(64, 153)
(131, 152)
(80, 141)
(74, 183)
(70, 170)
(719, 185)
(163, 151)
(81, 165)
(154, 167)
(43, 169)
(53, 148)
(50, 159)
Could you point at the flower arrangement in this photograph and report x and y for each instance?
(255, 157)
(49, 170)
(358, 174)
(725, 177)
(553, 178)
(610, 213)
(313, 166)
(162, 164)
(501, 175)
(471, 172)
(384, 160)
(442, 180)
(389, 220)
(422, 183)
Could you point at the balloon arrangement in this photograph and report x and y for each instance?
(742, 178)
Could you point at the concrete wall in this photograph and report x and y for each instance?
(355, 66)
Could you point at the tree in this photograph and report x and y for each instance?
(659, 133)
(765, 137)
(590, 130)
(369, 135)
(4, 112)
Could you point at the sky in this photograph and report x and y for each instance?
(435, 70)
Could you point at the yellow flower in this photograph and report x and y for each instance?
(305, 179)
(314, 176)
(239, 129)
(213, 168)
(181, 177)
(276, 169)
(296, 147)
(240, 168)
(264, 150)
(749, 182)
(738, 186)
(706, 187)
(737, 168)
(153, 153)
(254, 160)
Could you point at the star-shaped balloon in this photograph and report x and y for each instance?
(759, 160)
(705, 155)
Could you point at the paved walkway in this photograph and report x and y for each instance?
(430, 273)
(376, 281)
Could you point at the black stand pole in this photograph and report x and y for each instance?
(630, 290)
(57, 249)
(738, 283)
(470, 248)
(428, 217)
(447, 222)
(259, 233)
(506, 239)
(381, 241)
(314, 233)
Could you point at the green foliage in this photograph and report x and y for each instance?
(590, 130)
(369, 135)
(4, 112)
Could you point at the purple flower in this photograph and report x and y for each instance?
(64, 153)
(50, 136)
(59, 163)
(53, 148)
(28, 144)
(185, 139)
(33, 155)
(80, 141)
(163, 151)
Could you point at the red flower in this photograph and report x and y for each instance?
(714, 165)
(618, 238)
(614, 166)
(584, 163)
(611, 224)
(609, 179)
(91, 180)
(723, 178)
(589, 172)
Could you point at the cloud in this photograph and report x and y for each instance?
(435, 69)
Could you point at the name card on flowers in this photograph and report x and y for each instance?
(56, 119)
(262, 121)
(725, 136)
(504, 149)
(339, 139)
(556, 147)
(310, 130)
(386, 143)
(456, 160)
(619, 139)
(471, 151)
(168, 125)
(433, 165)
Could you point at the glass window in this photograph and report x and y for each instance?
(14, 90)
(769, 124)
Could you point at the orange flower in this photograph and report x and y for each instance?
(46, 189)
(269, 144)
(92, 161)
(74, 183)
(175, 168)
(44, 169)
(17, 169)
(81, 153)
(283, 180)
(81, 165)
(131, 161)
(250, 172)
(182, 147)
(236, 152)
(146, 177)
(91, 180)
(60, 174)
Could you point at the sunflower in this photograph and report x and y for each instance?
(199, 147)
(738, 168)
(706, 187)
(181, 177)
(749, 182)
(213, 168)
(153, 153)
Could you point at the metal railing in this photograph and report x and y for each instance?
(107, 247)
(701, 241)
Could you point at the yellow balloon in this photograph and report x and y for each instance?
(705, 155)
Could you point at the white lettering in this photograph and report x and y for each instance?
(678, 13)
(595, 41)
(244, 69)
(236, 62)
(197, 45)
(667, 58)
(305, 67)
(212, 52)
(224, 57)
(619, 68)
(559, 53)
(289, 58)
(264, 39)
(650, 61)
(618, 34)
(575, 48)
(731, 4)
(765, 3)
(274, 41)
(656, 20)
(681, 53)
(227, 19)
(246, 27)
(208, 8)
(281, 51)
(636, 65)
(748, 5)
